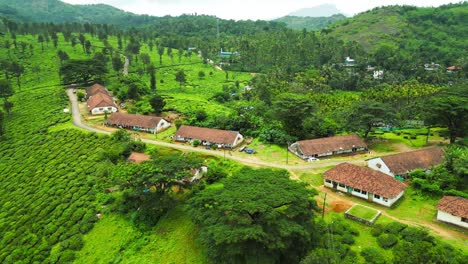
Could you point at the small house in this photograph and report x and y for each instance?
(431, 66)
(95, 89)
(151, 124)
(349, 62)
(209, 136)
(136, 157)
(323, 147)
(364, 183)
(101, 103)
(453, 210)
(453, 68)
(403, 163)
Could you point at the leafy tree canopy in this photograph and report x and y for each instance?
(256, 214)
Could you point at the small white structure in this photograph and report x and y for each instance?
(403, 163)
(209, 136)
(378, 75)
(364, 183)
(453, 210)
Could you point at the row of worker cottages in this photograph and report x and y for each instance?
(99, 100)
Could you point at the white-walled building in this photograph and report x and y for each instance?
(151, 124)
(207, 136)
(329, 146)
(365, 183)
(403, 163)
(453, 210)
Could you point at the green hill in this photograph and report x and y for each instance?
(309, 23)
(442, 29)
(56, 11)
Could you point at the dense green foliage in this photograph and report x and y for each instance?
(412, 245)
(147, 187)
(255, 214)
(449, 178)
(309, 23)
(48, 178)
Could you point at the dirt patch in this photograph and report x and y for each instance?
(340, 206)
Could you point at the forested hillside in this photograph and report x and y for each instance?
(430, 34)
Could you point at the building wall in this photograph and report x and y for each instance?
(452, 219)
(238, 140)
(379, 200)
(372, 163)
(389, 202)
(163, 124)
(102, 110)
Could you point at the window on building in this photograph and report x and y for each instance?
(464, 219)
(364, 192)
(376, 196)
(328, 181)
(385, 199)
(100, 108)
(357, 190)
(341, 185)
(109, 108)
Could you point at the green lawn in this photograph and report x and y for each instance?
(115, 239)
(413, 138)
(362, 212)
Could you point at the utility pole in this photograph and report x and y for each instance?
(323, 208)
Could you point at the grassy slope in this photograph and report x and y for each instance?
(172, 240)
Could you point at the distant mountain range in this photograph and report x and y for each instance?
(309, 23)
(325, 10)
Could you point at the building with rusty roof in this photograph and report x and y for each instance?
(209, 136)
(152, 124)
(365, 183)
(136, 157)
(95, 89)
(403, 163)
(453, 210)
(323, 147)
(101, 103)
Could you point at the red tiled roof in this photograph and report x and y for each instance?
(138, 158)
(96, 88)
(100, 100)
(330, 144)
(365, 179)
(454, 205)
(208, 134)
(131, 120)
(420, 159)
(453, 68)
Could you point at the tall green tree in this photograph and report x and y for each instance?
(450, 109)
(366, 115)
(82, 71)
(158, 103)
(117, 63)
(292, 110)
(6, 90)
(40, 39)
(181, 77)
(255, 216)
(161, 53)
(17, 70)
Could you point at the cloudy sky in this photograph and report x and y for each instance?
(247, 9)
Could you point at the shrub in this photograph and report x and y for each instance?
(347, 239)
(377, 230)
(373, 256)
(415, 235)
(387, 240)
(196, 143)
(394, 228)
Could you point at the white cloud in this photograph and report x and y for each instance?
(248, 9)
